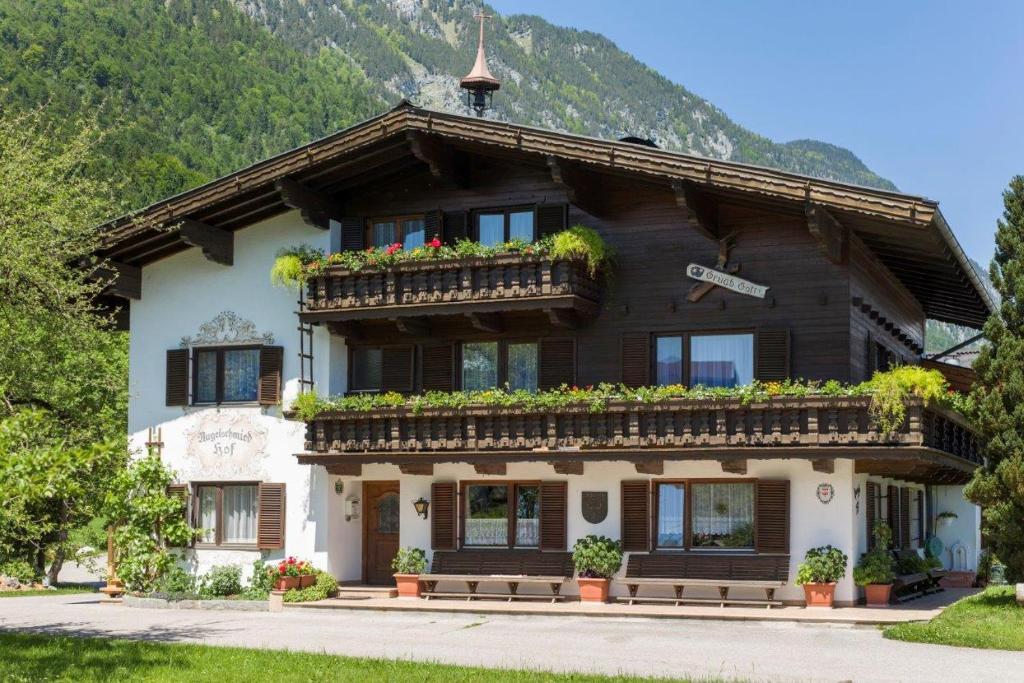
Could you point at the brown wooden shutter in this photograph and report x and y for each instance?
(553, 512)
(444, 504)
(432, 226)
(636, 360)
(180, 491)
(270, 520)
(772, 535)
(396, 374)
(456, 226)
(551, 218)
(269, 389)
(772, 355)
(557, 363)
(892, 499)
(352, 231)
(636, 516)
(871, 494)
(905, 517)
(177, 377)
(438, 367)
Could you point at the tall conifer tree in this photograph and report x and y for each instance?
(999, 394)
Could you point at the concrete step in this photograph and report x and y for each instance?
(350, 592)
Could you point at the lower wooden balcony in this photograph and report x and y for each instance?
(560, 290)
(934, 445)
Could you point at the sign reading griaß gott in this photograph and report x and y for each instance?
(725, 280)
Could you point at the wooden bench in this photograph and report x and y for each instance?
(513, 568)
(680, 570)
(913, 585)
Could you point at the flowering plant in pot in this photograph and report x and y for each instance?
(818, 574)
(597, 559)
(874, 571)
(292, 573)
(408, 564)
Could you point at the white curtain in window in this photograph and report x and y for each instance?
(723, 514)
(520, 226)
(670, 515)
(722, 360)
(241, 374)
(240, 506)
(414, 233)
(491, 229)
(491, 531)
(208, 513)
(479, 366)
(384, 235)
(522, 366)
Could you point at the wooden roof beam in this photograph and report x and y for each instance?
(832, 236)
(700, 210)
(217, 245)
(416, 326)
(582, 188)
(486, 322)
(122, 280)
(317, 210)
(442, 160)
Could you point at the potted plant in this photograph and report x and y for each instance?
(596, 559)
(874, 572)
(307, 573)
(818, 574)
(944, 519)
(286, 575)
(408, 564)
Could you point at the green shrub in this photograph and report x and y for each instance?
(597, 557)
(261, 582)
(221, 581)
(409, 561)
(21, 570)
(177, 580)
(824, 564)
(325, 586)
(876, 566)
(580, 242)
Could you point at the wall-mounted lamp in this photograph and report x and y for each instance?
(339, 486)
(421, 505)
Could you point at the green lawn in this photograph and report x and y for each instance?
(59, 590)
(32, 657)
(991, 620)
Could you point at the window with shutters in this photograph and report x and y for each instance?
(409, 231)
(494, 227)
(711, 360)
(380, 368)
(227, 513)
(501, 514)
(487, 365)
(225, 375)
(705, 515)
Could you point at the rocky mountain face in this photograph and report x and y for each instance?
(554, 77)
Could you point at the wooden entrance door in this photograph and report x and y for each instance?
(380, 531)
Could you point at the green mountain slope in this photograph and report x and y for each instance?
(551, 76)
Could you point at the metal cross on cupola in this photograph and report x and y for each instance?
(479, 84)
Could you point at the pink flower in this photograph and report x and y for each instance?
(435, 243)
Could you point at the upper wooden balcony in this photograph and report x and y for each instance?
(934, 445)
(561, 290)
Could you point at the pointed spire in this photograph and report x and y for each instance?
(479, 83)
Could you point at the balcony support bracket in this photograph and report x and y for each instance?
(567, 466)
(217, 245)
(734, 466)
(650, 466)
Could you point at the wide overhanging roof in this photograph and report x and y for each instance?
(907, 233)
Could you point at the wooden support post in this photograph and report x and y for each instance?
(317, 209)
(217, 245)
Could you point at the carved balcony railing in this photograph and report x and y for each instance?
(806, 422)
(452, 286)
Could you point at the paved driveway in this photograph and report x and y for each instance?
(745, 650)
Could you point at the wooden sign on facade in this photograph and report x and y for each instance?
(725, 280)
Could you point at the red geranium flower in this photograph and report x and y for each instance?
(435, 243)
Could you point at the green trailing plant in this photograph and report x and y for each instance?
(824, 564)
(409, 561)
(581, 242)
(597, 557)
(325, 586)
(876, 566)
(890, 391)
(289, 269)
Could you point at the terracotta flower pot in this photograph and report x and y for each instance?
(307, 580)
(408, 585)
(877, 594)
(593, 590)
(284, 583)
(819, 594)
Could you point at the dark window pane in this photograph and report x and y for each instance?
(241, 374)
(486, 515)
(388, 514)
(723, 515)
(206, 377)
(479, 366)
(527, 516)
(520, 226)
(522, 366)
(671, 508)
(669, 360)
(367, 369)
(414, 233)
(722, 360)
(491, 228)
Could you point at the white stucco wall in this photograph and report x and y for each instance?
(965, 530)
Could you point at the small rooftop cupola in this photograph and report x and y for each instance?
(479, 84)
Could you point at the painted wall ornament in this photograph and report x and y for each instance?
(227, 328)
(595, 506)
(826, 492)
(225, 444)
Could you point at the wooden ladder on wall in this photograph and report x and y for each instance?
(305, 348)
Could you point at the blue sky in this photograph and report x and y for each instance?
(927, 94)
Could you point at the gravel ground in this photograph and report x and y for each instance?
(744, 650)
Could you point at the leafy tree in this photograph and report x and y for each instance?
(999, 394)
(148, 522)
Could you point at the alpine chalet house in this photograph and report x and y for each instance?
(722, 274)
